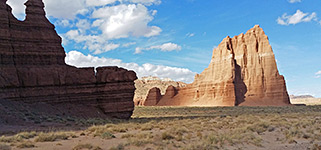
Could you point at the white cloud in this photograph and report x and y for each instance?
(83, 25)
(146, 2)
(63, 23)
(318, 74)
(129, 44)
(190, 34)
(110, 20)
(78, 59)
(53, 8)
(18, 8)
(68, 9)
(95, 43)
(294, 1)
(122, 21)
(167, 47)
(99, 2)
(296, 18)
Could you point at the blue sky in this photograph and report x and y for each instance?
(175, 38)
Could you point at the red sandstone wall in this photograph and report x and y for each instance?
(32, 68)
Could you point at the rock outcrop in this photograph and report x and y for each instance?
(145, 84)
(154, 95)
(242, 72)
(33, 69)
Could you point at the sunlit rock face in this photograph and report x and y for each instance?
(32, 68)
(242, 72)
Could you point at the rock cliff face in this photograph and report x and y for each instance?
(242, 72)
(145, 84)
(32, 68)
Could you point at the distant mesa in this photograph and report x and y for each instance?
(33, 69)
(242, 72)
(300, 96)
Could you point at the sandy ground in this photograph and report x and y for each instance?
(188, 128)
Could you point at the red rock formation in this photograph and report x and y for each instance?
(154, 95)
(242, 72)
(32, 68)
(144, 84)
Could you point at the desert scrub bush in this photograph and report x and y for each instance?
(218, 139)
(4, 147)
(140, 139)
(119, 129)
(139, 142)
(27, 144)
(146, 127)
(238, 136)
(98, 130)
(27, 135)
(259, 127)
(107, 135)
(51, 137)
(11, 139)
(292, 133)
(128, 135)
(167, 136)
(86, 146)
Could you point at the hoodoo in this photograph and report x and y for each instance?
(242, 72)
(32, 68)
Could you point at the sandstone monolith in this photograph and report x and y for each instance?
(242, 72)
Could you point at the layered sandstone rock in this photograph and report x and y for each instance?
(242, 72)
(32, 68)
(145, 84)
(154, 95)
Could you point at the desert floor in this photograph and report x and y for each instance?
(187, 128)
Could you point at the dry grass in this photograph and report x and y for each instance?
(52, 136)
(86, 147)
(194, 128)
(27, 144)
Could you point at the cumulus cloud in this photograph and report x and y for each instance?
(71, 7)
(122, 21)
(318, 74)
(294, 1)
(64, 23)
(106, 21)
(78, 59)
(95, 43)
(296, 18)
(53, 8)
(167, 47)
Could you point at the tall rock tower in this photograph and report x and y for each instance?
(242, 72)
